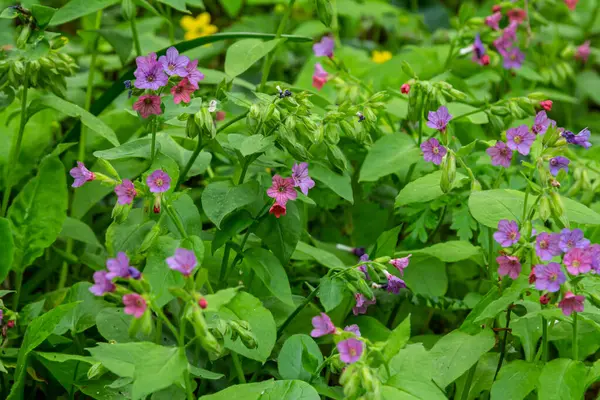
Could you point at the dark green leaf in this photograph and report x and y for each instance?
(78, 8)
(281, 235)
(221, 198)
(244, 53)
(8, 248)
(289, 361)
(270, 271)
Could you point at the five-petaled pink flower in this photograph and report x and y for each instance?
(282, 190)
(362, 303)
(148, 105)
(571, 303)
(301, 178)
(322, 326)
(183, 91)
(520, 139)
(501, 155)
(493, 20)
(183, 261)
(134, 305)
(125, 192)
(401, 263)
(350, 350)
(578, 261)
(319, 78)
(102, 284)
(509, 265)
(433, 151)
(159, 181)
(81, 174)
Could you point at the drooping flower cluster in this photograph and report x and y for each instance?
(324, 48)
(350, 349)
(506, 44)
(283, 189)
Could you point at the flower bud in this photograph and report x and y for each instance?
(203, 303)
(556, 204)
(544, 299)
(407, 69)
(544, 208)
(448, 172)
(191, 128)
(206, 338)
(405, 88)
(324, 12)
(336, 157)
(546, 105)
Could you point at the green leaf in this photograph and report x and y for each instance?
(113, 325)
(426, 188)
(281, 235)
(83, 316)
(270, 271)
(221, 298)
(529, 73)
(426, 276)
(78, 230)
(340, 184)
(331, 292)
(457, 109)
(389, 155)
(8, 248)
(136, 148)
(577, 212)
(179, 5)
(528, 329)
(78, 8)
(562, 379)
(127, 236)
(321, 256)
(185, 208)
(386, 243)
(204, 373)
(244, 53)
(509, 296)
(121, 43)
(247, 391)
(37, 331)
(219, 199)
(256, 144)
(456, 352)
(38, 212)
(42, 15)
(288, 390)
(157, 272)
(232, 7)
(397, 340)
(289, 361)
(516, 380)
(450, 252)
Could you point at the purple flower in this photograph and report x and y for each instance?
(479, 55)
(301, 178)
(571, 303)
(572, 239)
(282, 190)
(493, 20)
(173, 63)
(320, 76)
(149, 73)
(509, 265)
(439, 119)
(193, 75)
(183, 261)
(125, 192)
(353, 328)
(504, 42)
(507, 233)
(578, 261)
(350, 350)
(594, 251)
(549, 277)
(81, 174)
(433, 151)
(514, 58)
(362, 303)
(583, 51)
(581, 139)
(102, 284)
(546, 246)
(323, 326)
(158, 181)
(325, 47)
(118, 267)
(394, 283)
(558, 163)
(401, 263)
(541, 123)
(134, 305)
(520, 139)
(501, 154)
(134, 273)
(363, 268)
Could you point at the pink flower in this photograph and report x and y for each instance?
(319, 78)
(125, 192)
(118, 267)
(578, 261)
(282, 190)
(148, 105)
(405, 88)
(322, 326)
(183, 261)
(158, 181)
(362, 303)
(193, 75)
(507, 233)
(301, 178)
(546, 105)
(493, 20)
(350, 350)
(81, 175)
(583, 51)
(501, 155)
(324, 48)
(277, 210)
(102, 284)
(439, 119)
(509, 265)
(134, 305)
(182, 91)
(401, 263)
(571, 4)
(220, 116)
(520, 139)
(354, 329)
(433, 151)
(571, 303)
(517, 15)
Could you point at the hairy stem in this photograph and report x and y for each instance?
(503, 344)
(291, 317)
(190, 162)
(136, 38)
(238, 367)
(544, 340)
(575, 338)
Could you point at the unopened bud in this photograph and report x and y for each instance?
(544, 299)
(405, 88)
(546, 105)
(203, 303)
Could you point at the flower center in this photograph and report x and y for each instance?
(150, 78)
(553, 277)
(147, 101)
(512, 235)
(171, 67)
(503, 152)
(436, 150)
(353, 352)
(553, 162)
(543, 244)
(570, 244)
(576, 263)
(159, 182)
(518, 139)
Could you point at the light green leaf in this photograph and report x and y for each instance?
(135, 148)
(78, 8)
(270, 271)
(388, 155)
(256, 144)
(331, 292)
(247, 391)
(562, 379)
(340, 184)
(244, 53)
(450, 252)
(78, 230)
(457, 109)
(397, 340)
(289, 361)
(232, 7)
(323, 257)
(8, 248)
(426, 188)
(83, 316)
(291, 390)
(386, 243)
(509, 296)
(127, 236)
(427, 276)
(515, 380)
(179, 5)
(219, 199)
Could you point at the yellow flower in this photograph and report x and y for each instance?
(197, 27)
(380, 57)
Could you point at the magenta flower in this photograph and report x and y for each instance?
(174, 64)
(362, 303)
(325, 47)
(394, 283)
(549, 277)
(183, 261)
(134, 305)
(514, 58)
(102, 284)
(520, 139)
(439, 119)
(507, 233)
(578, 261)
(183, 91)
(118, 267)
(354, 329)
(433, 151)
(320, 76)
(501, 154)
(581, 139)
(282, 190)
(158, 181)
(125, 192)
(558, 163)
(350, 350)
(583, 51)
(572, 239)
(571, 303)
(277, 210)
(81, 174)
(516, 15)
(401, 263)
(546, 246)
(571, 4)
(322, 326)
(147, 105)
(363, 267)
(493, 20)
(149, 73)
(479, 55)
(301, 178)
(509, 265)
(541, 123)
(193, 75)
(509, 35)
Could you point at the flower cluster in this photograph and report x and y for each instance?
(505, 44)
(324, 48)
(350, 349)
(283, 190)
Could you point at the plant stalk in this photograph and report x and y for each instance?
(544, 340)
(575, 338)
(190, 162)
(503, 344)
(136, 38)
(238, 367)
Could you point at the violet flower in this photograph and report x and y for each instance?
(322, 326)
(324, 48)
(282, 190)
(173, 63)
(581, 139)
(81, 174)
(507, 233)
(549, 277)
(479, 55)
(183, 261)
(158, 181)
(513, 59)
(401, 263)
(433, 151)
(102, 284)
(439, 119)
(149, 73)
(394, 283)
(350, 350)
(354, 329)
(509, 265)
(148, 105)
(125, 192)
(558, 163)
(571, 303)
(578, 261)
(301, 178)
(320, 76)
(572, 239)
(501, 154)
(134, 305)
(493, 21)
(583, 51)
(362, 303)
(363, 267)
(546, 246)
(541, 123)
(193, 75)
(520, 139)
(118, 267)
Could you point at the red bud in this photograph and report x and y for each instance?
(546, 105)
(545, 299)
(203, 303)
(485, 60)
(405, 88)
(496, 8)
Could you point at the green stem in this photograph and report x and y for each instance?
(421, 121)
(168, 323)
(13, 159)
(136, 38)
(467, 387)
(64, 271)
(503, 344)
(188, 386)
(291, 317)
(224, 263)
(527, 190)
(490, 251)
(544, 340)
(190, 162)
(575, 338)
(171, 26)
(439, 224)
(233, 121)
(153, 127)
(244, 170)
(18, 284)
(238, 367)
(469, 172)
(175, 218)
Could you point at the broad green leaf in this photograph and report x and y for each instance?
(562, 379)
(127, 236)
(121, 43)
(340, 184)
(388, 155)
(321, 256)
(270, 271)
(281, 235)
(179, 5)
(232, 7)
(78, 230)
(577, 212)
(386, 243)
(482, 379)
(113, 325)
(370, 328)
(397, 340)
(8, 248)
(68, 369)
(528, 328)
(219, 199)
(38, 212)
(188, 214)
(83, 316)
(509, 296)
(135, 148)
(204, 373)
(244, 53)
(426, 188)
(256, 144)
(288, 390)
(289, 361)
(219, 299)
(450, 252)
(331, 292)
(457, 109)
(427, 276)
(247, 391)
(157, 272)
(516, 380)
(42, 15)
(78, 8)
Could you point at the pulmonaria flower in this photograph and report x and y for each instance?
(541, 123)
(277, 210)
(532, 277)
(183, 91)
(319, 78)
(324, 48)
(380, 57)
(125, 192)
(505, 41)
(158, 181)
(578, 261)
(433, 151)
(546, 105)
(546, 246)
(102, 284)
(507, 233)
(193, 75)
(282, 190)
(197, 27)
(363, 267)
(322, 326)
(509, 265)
(520, 139)
(571, 303)
(350, 350)
(583, 51)
(572, 239)
(581, 139)
(405, 88)
(134, 305)
(493, 21)
(479, 55)
(514, 58)
(401, 263)
(149, 73)
(81, 174)
(544, 299)
(362, 303)
(148, 105)
(173, 63)
(558, 163)
(183, 261)
(571, 4)
(501, 154)
(118, 267)
(220, 116)
(439, 119)
(301, 178)
(516, 15)
(394, 283)
(354, 329)
(549, 277)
